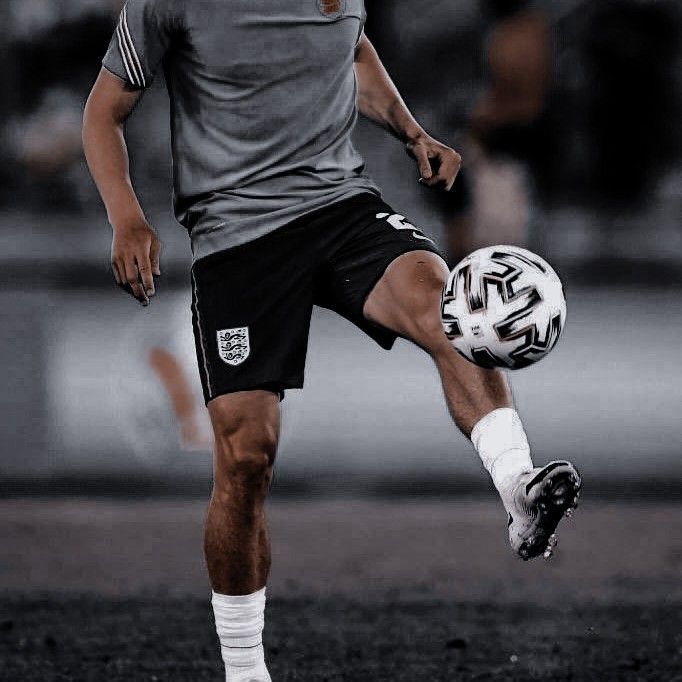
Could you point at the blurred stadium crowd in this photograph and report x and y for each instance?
(579, 101)
(554, 104)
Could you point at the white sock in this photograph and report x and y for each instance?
(501, 443)
(239, 623)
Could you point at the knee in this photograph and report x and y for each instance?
(422, 321)
(407, 299)
(246, 454)
(245, 448)
(245, 451)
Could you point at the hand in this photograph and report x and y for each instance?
(438, 164)
(135, 252)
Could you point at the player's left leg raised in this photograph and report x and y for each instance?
(407, 300)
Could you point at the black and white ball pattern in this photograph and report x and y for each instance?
(503, 306)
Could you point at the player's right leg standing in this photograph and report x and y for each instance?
(251, 308)
(237, 548)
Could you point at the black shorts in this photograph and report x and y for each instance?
(251, 305)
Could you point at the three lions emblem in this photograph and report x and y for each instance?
(233, 345)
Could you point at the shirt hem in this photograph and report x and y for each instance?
(210, 242)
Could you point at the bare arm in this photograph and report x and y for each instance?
(135, 247)
(380, 101)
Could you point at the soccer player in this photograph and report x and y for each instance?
(282, 217)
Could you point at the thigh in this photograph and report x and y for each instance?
(407, 298)
(363, 264)
(251, 309)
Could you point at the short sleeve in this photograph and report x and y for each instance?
(141, 39)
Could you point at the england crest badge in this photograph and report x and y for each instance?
(233, 345)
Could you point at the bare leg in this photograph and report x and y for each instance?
(407, 300)
(246, 428)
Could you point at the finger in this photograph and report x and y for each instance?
(451, 184)
(435, 179)
(421, 155)
(144, 267)
(434, 171)
(116, 273)
(449, 170)
(155, 255)
(132, 277)
(453, 176)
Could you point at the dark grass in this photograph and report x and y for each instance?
(89, 638)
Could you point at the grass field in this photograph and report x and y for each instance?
(361, 590)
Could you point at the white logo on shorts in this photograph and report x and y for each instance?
(233, 345)
(398, 222)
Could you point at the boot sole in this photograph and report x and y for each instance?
(558, 497)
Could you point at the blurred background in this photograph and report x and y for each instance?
(568, 117)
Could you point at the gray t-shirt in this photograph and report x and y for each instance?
(263, 102)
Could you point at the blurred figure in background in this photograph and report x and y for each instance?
(491, 205)
(597, 134)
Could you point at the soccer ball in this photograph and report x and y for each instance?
(503, 306)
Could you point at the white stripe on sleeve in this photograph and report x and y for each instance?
(124, 57)
(131, 45)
